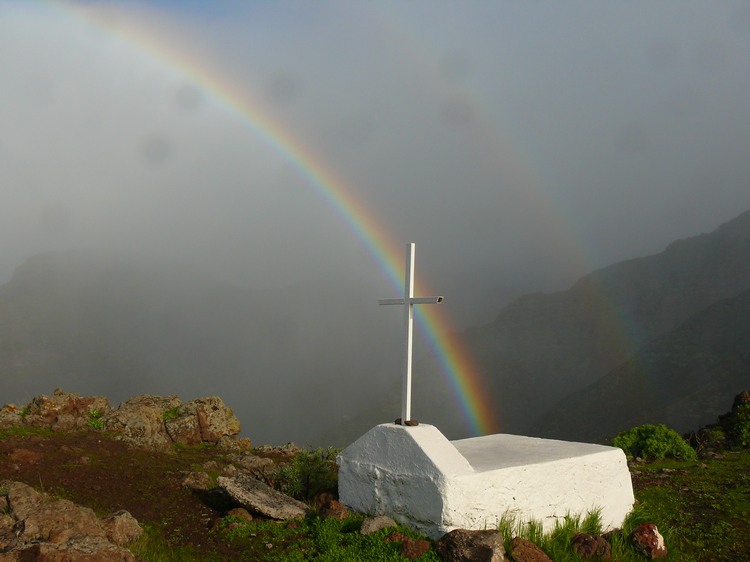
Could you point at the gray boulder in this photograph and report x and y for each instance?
(37, 527)
(478, 546)
(140, 420)
(374, 524)
(255, 496)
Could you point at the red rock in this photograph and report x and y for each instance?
(523, 550)
(333, 509)
(414, 548)
(591, 547)
(648, 541)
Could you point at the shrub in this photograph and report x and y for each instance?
(742, 425)
(654, 442)
(95, 420)
(708, 440)
(171, 413)
(310, 473)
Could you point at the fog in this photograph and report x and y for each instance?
(519, 145)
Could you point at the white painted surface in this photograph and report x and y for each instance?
(417, 476)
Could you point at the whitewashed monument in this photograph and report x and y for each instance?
(411, 472)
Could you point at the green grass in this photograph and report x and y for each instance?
(556, 543)
(154, 547)
(25, 431)
(704, 506)
(326, 540)
(701, 507)
(170, 413)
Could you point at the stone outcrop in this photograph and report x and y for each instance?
(37, 527)
(156, 422)
(480, 546)
(64, 411)
(257, 497)
(140, 420)
(202, 420)
(10, 416)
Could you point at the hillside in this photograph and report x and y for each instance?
(544, 347)
(683, 379)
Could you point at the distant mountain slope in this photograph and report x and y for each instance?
(684, 379)
(543, 347)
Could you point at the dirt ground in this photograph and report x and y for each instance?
(107, 475)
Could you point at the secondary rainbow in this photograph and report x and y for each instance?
(456, 364)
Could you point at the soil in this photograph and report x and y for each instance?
(107, 475)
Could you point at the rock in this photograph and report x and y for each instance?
(64, 411)
(374, 524)
(410, 548)
(332, 509)
(240, 513)
(82, 550)
(289, 449)
(198, 481)
(591, 547)
(648, 541)
(215, 419)
(257, 497)
(227, 443)
(10, 416)
(414, 548)
(460, 545)
(203, 420)
(184, 429)
(523, 550)
(252, 463)
(38, 527)
(121, 527)
(140, 420)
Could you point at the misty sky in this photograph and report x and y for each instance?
(519, 144)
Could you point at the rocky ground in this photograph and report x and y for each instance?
(156, 457)
(169, 469)
(107, 475)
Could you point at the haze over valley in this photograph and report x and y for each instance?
(210, 200)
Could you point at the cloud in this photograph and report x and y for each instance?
(519, 145)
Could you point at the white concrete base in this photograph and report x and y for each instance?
(418, 477)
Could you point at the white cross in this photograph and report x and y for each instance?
(409, 301)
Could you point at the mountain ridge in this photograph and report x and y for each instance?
(544, 346)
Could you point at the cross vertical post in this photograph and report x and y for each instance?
(409, 301)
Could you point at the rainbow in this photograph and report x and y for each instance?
(456, 364)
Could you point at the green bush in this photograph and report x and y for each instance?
(310, 473)
(742, 425)
(654, 442)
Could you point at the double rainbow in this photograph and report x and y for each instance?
(457, 366)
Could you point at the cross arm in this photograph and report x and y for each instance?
(413, 300)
